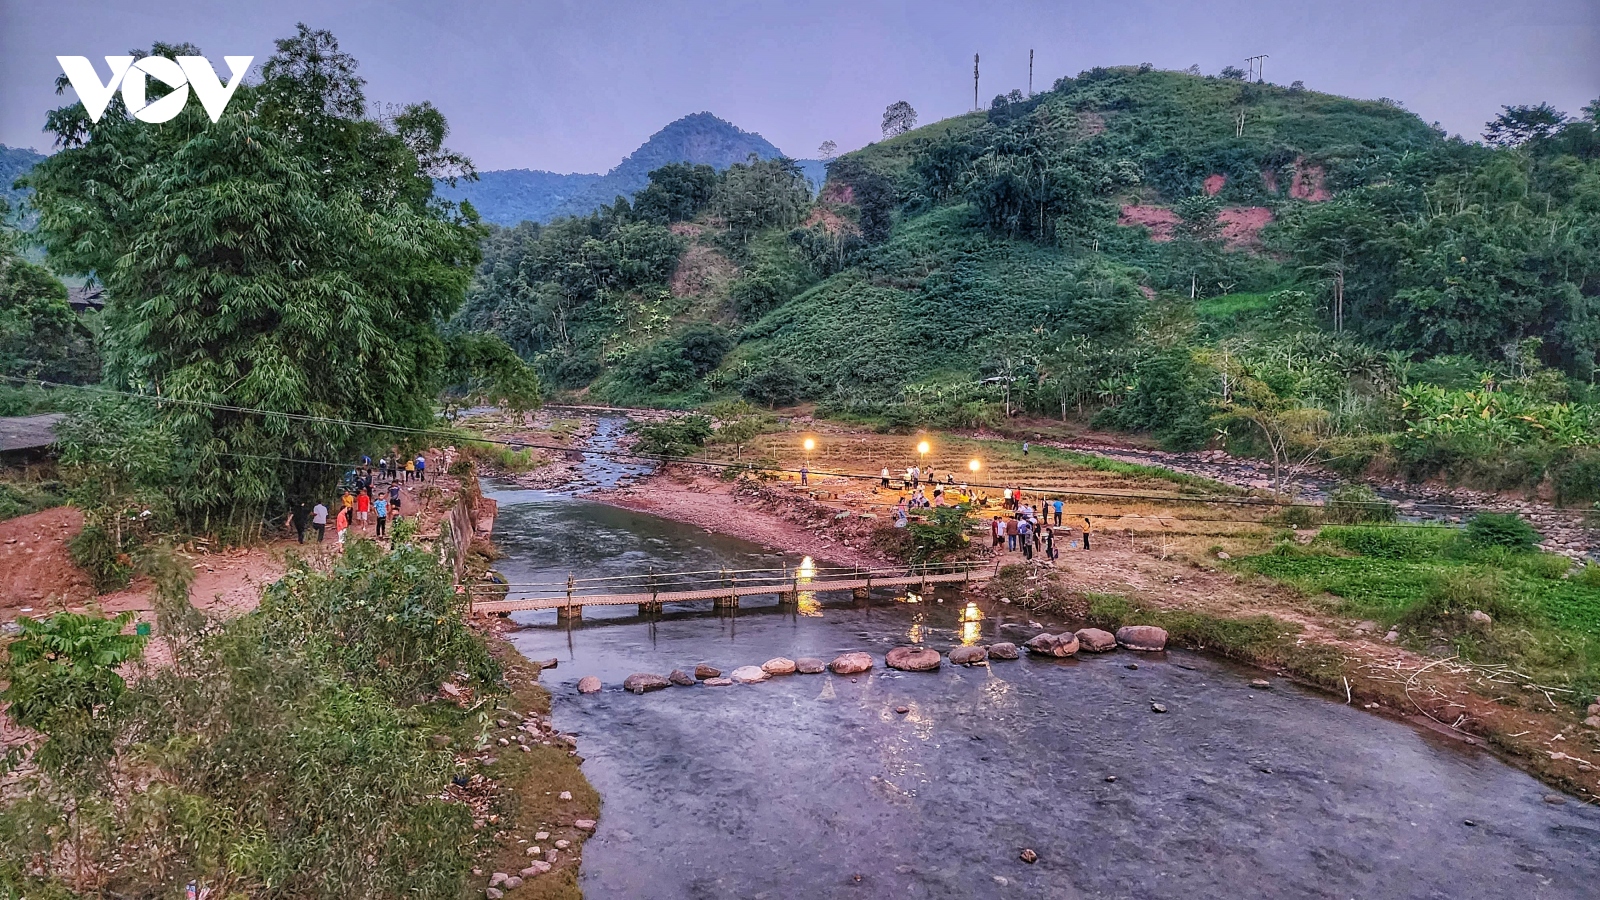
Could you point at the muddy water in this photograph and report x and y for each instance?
(815, 786)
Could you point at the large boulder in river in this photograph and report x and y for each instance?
(1094, 640)
(639, 682)
(968, 656)
(705, 671)
(1142, 637)
(749, 674)
(778, 665)
(1056, 645)
(851, 663)
(681, 678)
(913, 659)
(588, 684)
(810, 665)
(1003, 650)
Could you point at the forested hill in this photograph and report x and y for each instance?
(14, 163)
(1200, 258)
(507, 197)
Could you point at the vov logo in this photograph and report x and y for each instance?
(179, 74)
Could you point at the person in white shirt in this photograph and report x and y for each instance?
(319, 520)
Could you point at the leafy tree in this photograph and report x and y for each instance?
(677, 192)
(871, 192)
(1233, 73)
(484, 369)
(780, 383)
(61, 681)
(762, 193)
(827, 150)
(898, 118)
(1507, 530)
(1197, 217)
(703, 346)
(288, 258)
(40, 336)
(1517, 126)
(677, 437)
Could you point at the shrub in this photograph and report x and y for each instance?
(96, 553)
(1507, 530)
(1354, 504)
(1395, 542)
(680, 436)
(389, 620)
(1455, 592)
(779, 384)
(941, 531)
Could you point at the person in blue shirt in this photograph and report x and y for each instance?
(1058, 504)
(380, 510)
(422, 467)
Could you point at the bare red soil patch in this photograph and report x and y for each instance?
(36, 571)
(1214, 183)
(1308, 183)
(1241, 225)
(1159, 219)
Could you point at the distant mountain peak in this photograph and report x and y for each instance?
(509, 196)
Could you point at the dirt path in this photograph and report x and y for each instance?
(38, 576)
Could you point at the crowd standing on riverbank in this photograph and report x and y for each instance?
(370, 495)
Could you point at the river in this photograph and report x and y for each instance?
(815, 786)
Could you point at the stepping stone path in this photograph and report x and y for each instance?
(681, 678)
(704, 671)
(588, 684)
(1148, 638)
(968, 656)
(850, 663)
(1056, 645)
(1003, 650)
(1094, 640)
(780, 665)
(810, 665)
(750, 674)
(639, 682)
(913, 659)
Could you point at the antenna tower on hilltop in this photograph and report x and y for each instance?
(1257, 67)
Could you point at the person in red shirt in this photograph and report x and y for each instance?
(363, 504)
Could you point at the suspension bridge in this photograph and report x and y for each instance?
(723, 587)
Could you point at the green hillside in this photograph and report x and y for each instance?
(1200, 258)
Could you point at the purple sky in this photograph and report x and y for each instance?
(569, 85)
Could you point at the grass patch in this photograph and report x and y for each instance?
(1257, 640)
(1545, 614)
(1136, 470)
(20, 496)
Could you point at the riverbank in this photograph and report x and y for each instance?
(1160, 559)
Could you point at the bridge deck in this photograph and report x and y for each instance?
(724, 591)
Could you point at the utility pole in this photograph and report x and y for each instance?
(1030, 73)
(975, 81)
(1257, 66)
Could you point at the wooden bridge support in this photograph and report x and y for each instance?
(788, 598)
(729, 602)
(861, 593)
(646, 609)
(573, 613)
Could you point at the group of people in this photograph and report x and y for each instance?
(1032, 531)
(363, 499)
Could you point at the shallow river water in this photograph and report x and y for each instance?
(814, 786)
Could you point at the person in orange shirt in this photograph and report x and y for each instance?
(342, 523)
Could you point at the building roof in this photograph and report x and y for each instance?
(86, 298)
(28, 432)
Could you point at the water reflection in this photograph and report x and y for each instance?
(971, 625)
(806, 602)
